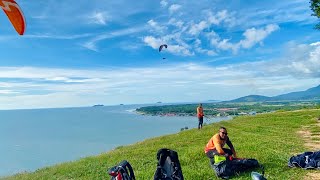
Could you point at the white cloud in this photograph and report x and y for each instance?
(54, 36)
(221, 16)
(174, 7)
(163, 3)
(212, 19)
(52, 87)
(275, 12)
(206, 28)
(3, 92)
(225, 45)
(304, 60)
(92, 43)
(180, 50)
(198, 49)
(179, 34)
(98, 18)
(172, 48)
(254, 36)
(156, 27)
(175, 22)
(300, 61)
(40, 17)
(152, 41)
(152, 23)
(206, 51)
(130, 82)
(195, 29)
(315, 44)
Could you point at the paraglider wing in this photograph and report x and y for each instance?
(15, 15)
(161, 47)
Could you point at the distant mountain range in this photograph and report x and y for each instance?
(309, 94)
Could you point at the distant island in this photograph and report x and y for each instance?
(98, 105)
(159, 102)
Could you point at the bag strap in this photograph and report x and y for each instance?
(126, 167)
(122, 168)
(262, 169)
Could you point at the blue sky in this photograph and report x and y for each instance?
(76, 53)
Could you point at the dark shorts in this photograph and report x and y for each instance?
(210, 154)
(213, 152)
(200, 120)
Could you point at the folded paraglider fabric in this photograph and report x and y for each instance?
(228, 168)
(306, 160)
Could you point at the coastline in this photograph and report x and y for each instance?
(84, 133)
(190, 144)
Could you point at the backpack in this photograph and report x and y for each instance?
(168, 166)
(123, 171)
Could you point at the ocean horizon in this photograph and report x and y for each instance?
(37, 138)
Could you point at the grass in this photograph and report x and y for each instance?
(269, 138)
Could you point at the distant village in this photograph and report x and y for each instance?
(221, 112)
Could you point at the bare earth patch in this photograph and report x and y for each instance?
(312, 176)
(312, 145)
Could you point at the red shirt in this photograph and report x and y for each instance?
(200, 112)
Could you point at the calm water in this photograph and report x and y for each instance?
(32, 139)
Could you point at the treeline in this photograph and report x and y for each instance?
(225, 109)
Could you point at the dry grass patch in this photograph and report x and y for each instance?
(312, 176)
(312, 145)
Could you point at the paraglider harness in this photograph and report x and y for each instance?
(230, 167)
(123, 171)
(168, 166)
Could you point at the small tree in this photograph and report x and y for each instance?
(315, 7)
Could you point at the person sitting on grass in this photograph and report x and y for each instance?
(215, 146)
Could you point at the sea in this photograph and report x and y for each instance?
(36, 138)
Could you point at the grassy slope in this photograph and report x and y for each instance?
(270, 138)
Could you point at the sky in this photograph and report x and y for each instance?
(76, 53)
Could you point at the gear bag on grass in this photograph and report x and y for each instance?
(306, 160)
(168, 166)
(123, 171)
(229, 168)
(258, 176)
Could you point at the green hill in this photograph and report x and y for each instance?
(270, 138)
(252, 98)
(307, 95)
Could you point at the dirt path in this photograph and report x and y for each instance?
(312, 142)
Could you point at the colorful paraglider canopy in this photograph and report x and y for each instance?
(15, 15)
(161, 47)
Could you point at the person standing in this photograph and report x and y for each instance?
(200, 116)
